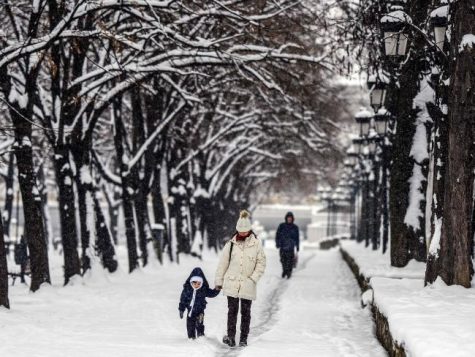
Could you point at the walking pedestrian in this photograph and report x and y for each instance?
(193, 299)
(288, 241)
(240, 267)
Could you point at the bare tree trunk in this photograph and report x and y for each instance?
(141, 211)
(104, 246)
(67, 208)
(3, 270)
(113, 209)
(85, 193)
(438, 191)
(43, 192)
(456, 242)
(9, 194)
(34, 223)
(127, 188)
(159, 212)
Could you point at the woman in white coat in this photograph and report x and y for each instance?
(241, 265)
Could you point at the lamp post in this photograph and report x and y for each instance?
(353, 209)
(328, 199)
(325, 195)
(363, 118)
(381, 120)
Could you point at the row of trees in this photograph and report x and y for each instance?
(187, 106)
(419, 54)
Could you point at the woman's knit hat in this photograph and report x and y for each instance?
(244, 222)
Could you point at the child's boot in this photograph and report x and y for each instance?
(243, 342)
(229, 341)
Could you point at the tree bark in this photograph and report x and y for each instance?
(85, 192)
(113, 210)
(34, 223)
(141, 179)
(127, 188)
(3, 270)
(141, 211)
(440, 145)
(9, 195)
(104, 246)
(43, 193)
(456, 242)
(159, 212)
(67, 208)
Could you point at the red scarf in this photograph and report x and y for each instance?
(242, 238)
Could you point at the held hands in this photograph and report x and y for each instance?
(218, 287)
(181, 314)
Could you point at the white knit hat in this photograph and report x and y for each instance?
(244, 222)
(196, 278)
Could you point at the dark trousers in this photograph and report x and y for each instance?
(287, 260)
(233, 309)
(195, 325)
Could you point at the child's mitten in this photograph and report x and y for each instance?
(181, 314)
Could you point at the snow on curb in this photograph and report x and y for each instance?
(374, 264)
(412, 319)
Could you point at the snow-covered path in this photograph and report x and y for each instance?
(316, 313)
(319, 314)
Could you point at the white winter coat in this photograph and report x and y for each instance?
(239, 274)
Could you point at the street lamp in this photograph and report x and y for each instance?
(352, 155)
(395, 39)
(366, 150)
(348, 164)
(377, 85)
(397, 4)
(381, 119)
(439, 19)
(359, 143)
(363, 117)
(372, 145)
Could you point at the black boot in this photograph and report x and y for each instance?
(243, 342)
(229, 341)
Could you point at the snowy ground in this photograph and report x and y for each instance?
(373, 263)
(316, 313)
(432, 321)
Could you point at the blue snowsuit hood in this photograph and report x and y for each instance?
(197, 272)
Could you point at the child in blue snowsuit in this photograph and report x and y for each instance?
(193, 298)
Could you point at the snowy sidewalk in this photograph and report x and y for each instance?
(316, 313)
(319, 313)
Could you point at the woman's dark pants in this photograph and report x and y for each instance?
(233, 309)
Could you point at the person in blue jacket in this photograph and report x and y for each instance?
(288, 241)
(193, 299)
